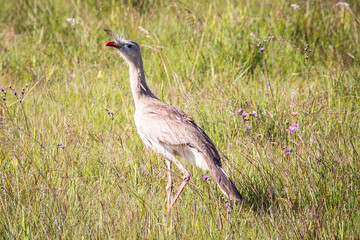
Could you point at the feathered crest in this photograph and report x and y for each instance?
(117, 37)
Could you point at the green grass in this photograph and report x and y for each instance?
(199, 57)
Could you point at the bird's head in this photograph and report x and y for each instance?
(129, 50)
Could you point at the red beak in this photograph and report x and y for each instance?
(112, 44)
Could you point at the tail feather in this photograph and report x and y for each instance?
(224, 182)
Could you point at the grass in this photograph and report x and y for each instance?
(201, 57)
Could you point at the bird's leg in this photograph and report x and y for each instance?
(186, 179)
(169, 184)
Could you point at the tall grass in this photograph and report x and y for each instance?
(67, 170)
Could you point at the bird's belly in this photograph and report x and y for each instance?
(192, 155)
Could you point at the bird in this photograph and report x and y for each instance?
(169, 131)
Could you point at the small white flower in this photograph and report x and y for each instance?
(343, 4)
(72, 21)
(295, 6)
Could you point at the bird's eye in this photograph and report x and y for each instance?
(129, 46)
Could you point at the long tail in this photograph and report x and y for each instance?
(224, 182)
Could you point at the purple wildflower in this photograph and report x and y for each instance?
(248, 127)
(298, 49)
(268, 83)
(262, 49)
(244, 114)
(22, 92)
(293, 128)
(109, 112)
(205, 178)
(240, 110)
(15, 92)
(227, 204)
(60, 145)
(253, 113)
(2, 89)
(287, 151)
(294, 114)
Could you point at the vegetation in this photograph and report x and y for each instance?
(70, 170)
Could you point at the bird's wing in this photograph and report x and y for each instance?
(170, 125)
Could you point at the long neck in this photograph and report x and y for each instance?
(139, 88)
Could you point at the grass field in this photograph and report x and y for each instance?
(70, 171)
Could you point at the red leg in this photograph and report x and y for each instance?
(186, 179)
(169, 185)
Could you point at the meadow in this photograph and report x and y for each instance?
(275, 84)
